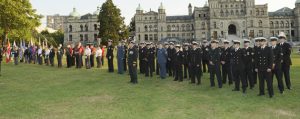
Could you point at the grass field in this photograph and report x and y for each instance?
(41, 92)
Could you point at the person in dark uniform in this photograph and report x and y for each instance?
(205, 49)
(69, 56)
(157, 64)
(225, 61)
(110, 56)
(238, 58)
(264, 68)
(276, 69)
(171, 55)
(52, 55)
(120, 57)
(186, 52)
(92, 57)
(162, 57)
(132, 62)
(77, 54)
(153, 48)
(125, 55)
(149, 60)
(214, 57)
(141, 57)
(15, 53)
(60, 53)
(287, 62)
(256, 50)
(249, 62)
(194, 62)
(178, 59)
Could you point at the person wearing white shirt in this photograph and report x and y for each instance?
(47, 52)
(40, 55)
(87, 54)
(98, 56)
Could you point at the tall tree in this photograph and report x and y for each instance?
(17, 18)
(111, 22)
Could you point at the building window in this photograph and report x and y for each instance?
(169, 28)
(260, 23)
(173, 28)
(277, 24)
(155, 28)
(257, 12)
(86, 37)
(287, 24)
(95, 27)
(155, 37)
(183, 27)
(215, 25)
(188, 27)
(260, 33)
(70, 38)
(146, 28)
(150, 28)
(81, 28)
(86, 28)
(151, 37)
(146, 37)
(281, 24)
(81, 37)
(70, 28)
(272, 25)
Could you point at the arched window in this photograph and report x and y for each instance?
(169, 28)
(155, 27)
(86, 27)
(260, 23)
(150, 28)
(146, 28)
(177, 28)
(173, 28)
(188, 27)
(70, 28)
(272, 24)
(262, 12)
(183, 27)
(277, 24)
(81, 28)
(281, 24)
(287, 24)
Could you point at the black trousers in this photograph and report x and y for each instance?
(141, 65)
(178, 72)
(238, 75)
(133, 73)
(51, 61)
(157, 68)
(248, 74)
(195, 73)
(92, 60)
(215, 70)
(286, 74)
(169, 68)
(110, 64)
(226, 73)
(78, 61)
(59, 61)
(205, 64)
(125, 64)
(255, 76)
(278, 74)
(69, 61)
(265, 76)
(149, 68)
(186, 70)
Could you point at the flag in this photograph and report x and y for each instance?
(7, 54)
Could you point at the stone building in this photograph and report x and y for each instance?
(218, 19)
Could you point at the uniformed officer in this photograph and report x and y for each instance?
(141, 57)
(238, 58)
(149, 60)
(171, 53)
(132, 62)
(205, 49)
(120, 57)
(60, 53)
(225, 61)
(214, 56)
(162, 57)
(153, 48)
(287, 62)
(178, 62)
(168, 62)
(110, 56)
(277, 69)
(195, 59)
(186, 52)
(264, 68)
(256, 50)
(249, 62)
(125, 55)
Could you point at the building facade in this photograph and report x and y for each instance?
(56, 21)
(218, 19)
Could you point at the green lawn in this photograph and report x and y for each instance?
(41, 92)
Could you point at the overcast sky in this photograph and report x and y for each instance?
(128, 7)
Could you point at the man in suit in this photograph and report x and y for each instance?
(264, 68)
(287, 62)
(171, 53)
(51, 55)
(277, 68)
(256, 51)
(186, 52)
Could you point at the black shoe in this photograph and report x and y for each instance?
(270, 96)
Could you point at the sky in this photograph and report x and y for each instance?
(128, 7)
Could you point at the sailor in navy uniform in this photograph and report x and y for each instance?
(276, 69)
(226, 64)
(110, 56)
(214, 57)
(178, 63)
(195, 61)
(132, 62)
(249, 62)
(264, 68)
(256, 51)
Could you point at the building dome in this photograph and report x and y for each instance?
(161, 6)
(97, 11)
(139, 8)
(74, 13)
(297, 1)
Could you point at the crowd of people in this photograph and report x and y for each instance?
(227, 61)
